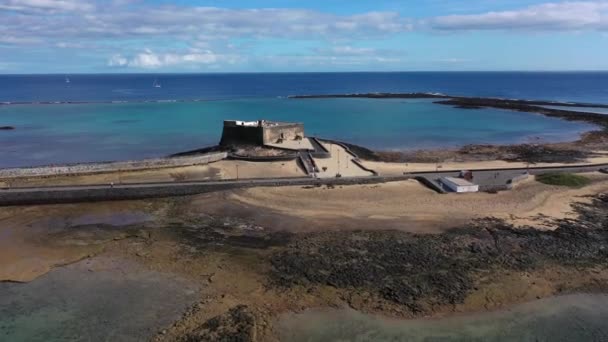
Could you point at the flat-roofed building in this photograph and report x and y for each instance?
(459, 185)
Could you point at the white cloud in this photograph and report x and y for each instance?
(146, 21)
(582, 15)
(348, 51)
(151, 60)
(118, 61)
(14, 40)
(46, 5)
(328, 60)
(454, 60)
(115, 32)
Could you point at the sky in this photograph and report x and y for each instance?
(120, 36)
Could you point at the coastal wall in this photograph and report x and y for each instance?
(234, 134)
(99, 193)
(66, 170)
(287, 157)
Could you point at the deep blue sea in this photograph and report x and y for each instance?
(563, 86)
(187, 111)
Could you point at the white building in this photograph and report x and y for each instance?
(459, 184)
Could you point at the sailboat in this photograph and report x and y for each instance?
(156, 84)
(67, 79)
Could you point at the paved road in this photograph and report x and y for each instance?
(78, 193)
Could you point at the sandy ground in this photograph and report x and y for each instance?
(408, 205)
(395, 169)
(225, 169)
(228, 169)
(35, 239)
(340, 162)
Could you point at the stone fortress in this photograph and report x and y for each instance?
(260, 140)
(260, 133)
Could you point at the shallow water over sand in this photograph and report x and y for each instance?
(582, 317)
(94, 300)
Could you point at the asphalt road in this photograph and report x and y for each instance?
(76, 193)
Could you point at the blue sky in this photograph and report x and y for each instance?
(73, 36)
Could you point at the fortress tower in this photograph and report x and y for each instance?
(260, 132)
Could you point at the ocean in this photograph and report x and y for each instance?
(126, 117)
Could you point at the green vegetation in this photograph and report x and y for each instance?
(563, 179)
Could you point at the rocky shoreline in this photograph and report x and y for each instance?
(461, 100)
(251, 271)
(402, 274)
(422, 273)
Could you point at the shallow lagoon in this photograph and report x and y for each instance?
(582, 317)
(70, 133)
(96, 299)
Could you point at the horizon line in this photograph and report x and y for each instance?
(302, 72)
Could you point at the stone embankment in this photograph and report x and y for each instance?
(92, 168)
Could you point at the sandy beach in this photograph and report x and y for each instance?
(410, 206)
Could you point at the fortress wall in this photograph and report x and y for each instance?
(289, 130)
(92, 168)
(242, 135)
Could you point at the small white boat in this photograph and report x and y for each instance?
(156, 84)
(67, 79)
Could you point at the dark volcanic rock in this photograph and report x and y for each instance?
(468, 107)
(376, 96)
(228, 231)
(421, 270)
(532, 107)
(6, 128)
(543, 154)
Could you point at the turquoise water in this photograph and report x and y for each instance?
(48, 134)
(581, 317)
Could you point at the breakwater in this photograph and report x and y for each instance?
(92, 168)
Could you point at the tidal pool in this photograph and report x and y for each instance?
(581, 317)
(100, 299)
